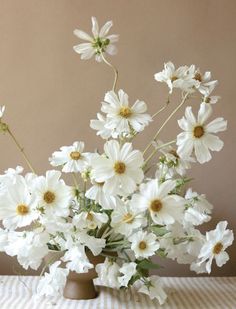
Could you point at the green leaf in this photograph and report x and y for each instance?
(147, 264)
(159, 230)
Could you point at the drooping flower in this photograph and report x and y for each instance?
(198, 209)
(99, 125)
(204, 83)
(120, 169)
(53, 283)
(126, 218)
(100, 42)
(163, 207)
(71, 158)
(127, 270)
(154, 289)
(122, 118)
(53, 196)
(108, 273)
(208, 98)
(144, 244)
(181, 78)
(17, 205)
(217, 241)
(77, 259)
(198, 135)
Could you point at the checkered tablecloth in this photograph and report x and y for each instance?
(17, 292)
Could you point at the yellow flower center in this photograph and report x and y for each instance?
(198, 77)
(119, 167)
(75, 155)
(217, 248)
(156, 205)
(49, 197)
(125, 112)
(89, 216)
(174, 153)
(142, 245)
(22, 209)
(198, 131)
(208, 100)
(173, 78)
(128, 218)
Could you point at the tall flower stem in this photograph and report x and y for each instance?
(114, 69)
(21, 150)
(165, 122)
(161, 109)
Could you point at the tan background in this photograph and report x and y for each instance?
(51, 94)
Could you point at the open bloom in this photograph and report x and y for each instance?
(99, 42)
(17, 204)
(127, 270)
(214, 248)
(99, 125)
(121, 117)
(71, 158)
(120, 169)
(53, 283)
(164, 208)
(154, 289)
(53, 196)
(144, 244)
(181, 78)
(198, 135)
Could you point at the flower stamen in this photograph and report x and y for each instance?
(156, 205)
(75, 155)
(125, 112)
(142, 245)
(119, 167)
(128, 218)
(22, 209)
(198, 131)
(49, 197)
(217, 248)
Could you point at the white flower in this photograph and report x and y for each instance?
(100, 126)
(128, 270)
(154, 289)
(108, 273)
(3, 239)
(214, 248)
(29, 247)
(53, 283)
(198, 135)
(144, 244)
(198, 208)
(125, 218)
(181, 78)
(164, 208)
(14, 171)
(2, 110)
(95, 245)
(53, 195)
(97, 193)
(90, 220)
(71, 158)
(77, 260)
(174, 163)
(121, 117)
(99, 43)
(121, 169)
(204, 83)
(17, 205)
(207, 98)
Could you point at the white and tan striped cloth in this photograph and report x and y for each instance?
(17, 292)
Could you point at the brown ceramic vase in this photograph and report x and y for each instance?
(78, 286)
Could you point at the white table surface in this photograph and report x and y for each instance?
(17, 292)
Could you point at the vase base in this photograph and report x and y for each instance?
(75, 289)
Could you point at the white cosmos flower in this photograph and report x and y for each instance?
(76, 259)
(30, 247)
(208, 98)
(144, 244)
(17, 205)
(126, 218)
(204, 83)
(214, 248)
(120, 169)
(2, 110)
(53, 196)
(100, 126)
(121, 117)
(181, 78)
(71, 158)
(198, 208)
(14, 171)
(164, 208)
(127, 270)
(90, 220)
(53, 283)
(108, 273)
(99, 42)
(154, 289)
(97, 193)
(95, 245)
(198, 135)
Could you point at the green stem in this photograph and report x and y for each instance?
(114, 69)
(161, 109)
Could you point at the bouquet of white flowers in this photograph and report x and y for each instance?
(114, 211)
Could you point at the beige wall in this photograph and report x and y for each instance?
(51, 94)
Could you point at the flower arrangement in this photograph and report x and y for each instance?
(114, 210)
